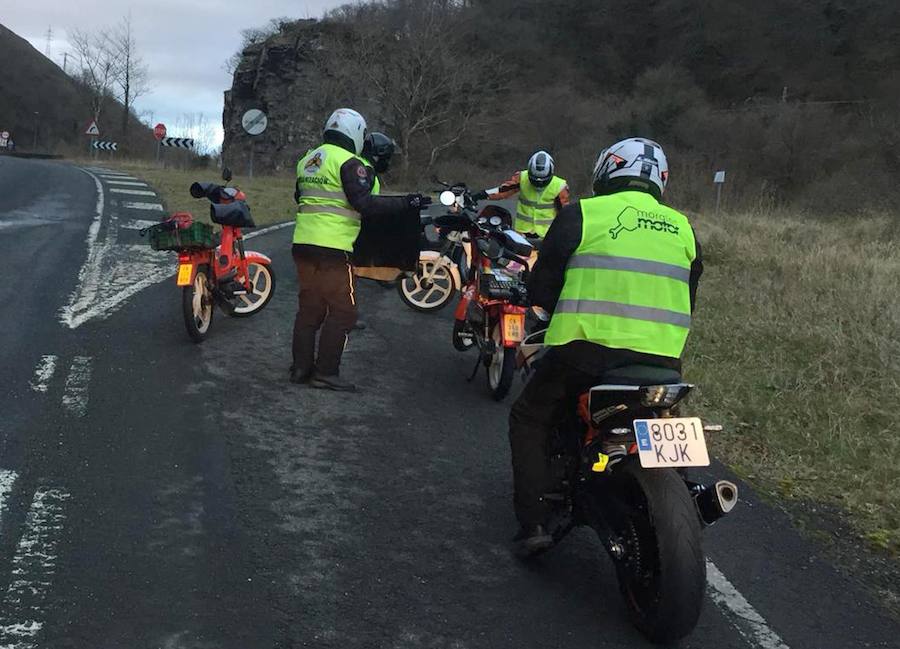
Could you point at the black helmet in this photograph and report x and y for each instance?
(378, 149)
(541, 169)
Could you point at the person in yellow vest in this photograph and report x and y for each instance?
(334, 193)
(542, 195)
(619, 274)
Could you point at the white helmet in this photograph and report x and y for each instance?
(540, 169)
(635, 163)
(347, 121)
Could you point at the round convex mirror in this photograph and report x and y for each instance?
(448, 198)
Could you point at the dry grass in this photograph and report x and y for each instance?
(271, 198)
(797, 347)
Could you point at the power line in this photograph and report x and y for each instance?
(49, 40)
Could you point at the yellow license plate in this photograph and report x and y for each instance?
(184, 274)
(513, 327)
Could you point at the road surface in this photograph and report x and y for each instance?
(159, 494)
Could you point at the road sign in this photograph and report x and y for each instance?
(105, 146)
(178, 142)
(159, 131)
(254, 121)
(719, 177)
(4, 135)
(92, 129)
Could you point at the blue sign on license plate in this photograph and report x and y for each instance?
(643, 435)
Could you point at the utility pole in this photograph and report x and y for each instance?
(49, 40)
(37, 116)
(65, 60)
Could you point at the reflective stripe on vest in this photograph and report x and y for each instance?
(325, 217)
(537, 206)
(627, 284)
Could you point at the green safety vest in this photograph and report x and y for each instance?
(627, 284)
(325, 217)
(537, 207)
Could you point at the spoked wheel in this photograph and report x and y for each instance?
(197, 306)
(502, 367)
(661, 567)
(263, 279)
(431, 294)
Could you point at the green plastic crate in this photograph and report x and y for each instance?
(198, 236)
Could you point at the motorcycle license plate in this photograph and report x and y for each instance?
(664, 443)
(184, 274)
(513, 327)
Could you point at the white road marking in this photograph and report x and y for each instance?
(88, 276)
(33, 569)
(271, 228)
(155, 207)
(131, 192)
(749, 623)
(75, 397)
(43, 373)
(7, 480)
(138, 224)
(128, 182)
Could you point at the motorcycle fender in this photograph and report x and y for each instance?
(257, 258)
(463, 307)
(187, 268)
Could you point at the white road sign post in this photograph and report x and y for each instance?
(719, 180)
(4, 139)
(254, 122)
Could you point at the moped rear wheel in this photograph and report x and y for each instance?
(502, 368)
(197, 306)
(431, 295)
(263, 279)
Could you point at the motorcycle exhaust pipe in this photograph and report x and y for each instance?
(713, 502)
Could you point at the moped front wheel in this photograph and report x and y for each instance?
(197, 305)
(262, 278)
(431, 294)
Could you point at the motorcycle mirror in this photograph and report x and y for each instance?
(197, 190)
(226, 174)
(448, 198)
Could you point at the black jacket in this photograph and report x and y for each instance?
(546, 281)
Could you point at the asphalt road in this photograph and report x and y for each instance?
(159, 494)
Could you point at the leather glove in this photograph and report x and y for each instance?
(418, 201)
(479, 196)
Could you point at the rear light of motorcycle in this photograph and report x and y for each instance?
(184, 258)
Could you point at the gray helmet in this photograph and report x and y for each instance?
(541, 169)
(633, 164)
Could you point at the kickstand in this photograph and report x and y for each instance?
(478, 362)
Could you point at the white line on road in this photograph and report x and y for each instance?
(749, 623)
(89, 275)
(271, 228)
(75, 398)
(155, 207)
(131, 192)
(137, 224)
(33, 569)
(7, 480)
(43, 373)
(128, 182)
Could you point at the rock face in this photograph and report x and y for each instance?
(281, 77)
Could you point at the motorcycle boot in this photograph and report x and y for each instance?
(331, 382)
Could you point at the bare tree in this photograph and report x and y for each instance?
(96, 67)
(130, 73)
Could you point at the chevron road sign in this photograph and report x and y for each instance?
(178, 142)
(104, 146)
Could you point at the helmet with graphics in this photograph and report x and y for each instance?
(635, 164)
(541, 169)
(346, 128)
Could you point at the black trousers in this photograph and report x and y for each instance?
(560, 376)
(326, 306)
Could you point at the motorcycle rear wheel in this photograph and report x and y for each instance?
(662, 575)
(197, 306)
(502, 368)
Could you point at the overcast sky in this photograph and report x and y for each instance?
(183, 42)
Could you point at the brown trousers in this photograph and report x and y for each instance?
(327, 302)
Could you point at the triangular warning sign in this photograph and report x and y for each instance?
(92, 129)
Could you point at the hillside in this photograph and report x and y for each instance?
(796, 100)
(31, 83)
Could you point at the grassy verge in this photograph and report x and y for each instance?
(797, 348)
(271, 198)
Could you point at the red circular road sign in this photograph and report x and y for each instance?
(159, 131)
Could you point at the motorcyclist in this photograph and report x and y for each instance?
(619, 274)
(541, 195)
(334, 194)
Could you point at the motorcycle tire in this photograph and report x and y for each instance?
(461, 344)
(416, 296)
(197, 306)
(502, 368)
(662, 576)
(244, 306)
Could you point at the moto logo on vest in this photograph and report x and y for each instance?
(314, 163)
(631, 219)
